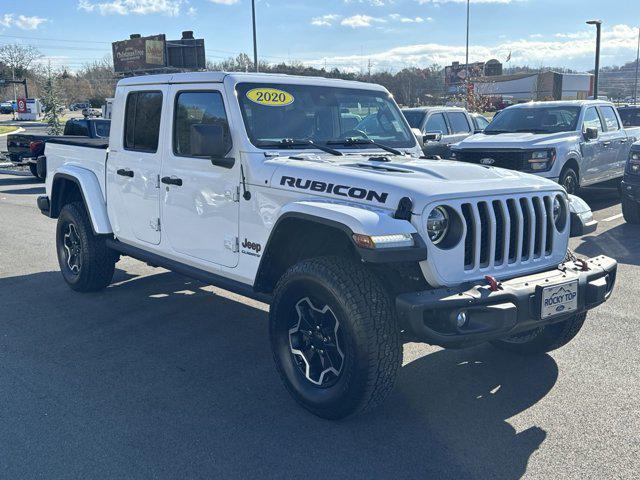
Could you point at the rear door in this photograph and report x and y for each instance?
(614, 143)
(133, 166)
(200, 208)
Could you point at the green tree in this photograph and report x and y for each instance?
(51, 102)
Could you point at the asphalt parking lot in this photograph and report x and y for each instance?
(160, 376)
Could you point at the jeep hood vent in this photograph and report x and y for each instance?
(379, 168)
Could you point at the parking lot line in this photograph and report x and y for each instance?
(612, 218)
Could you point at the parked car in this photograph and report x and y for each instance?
(27, 149)
(350, 237)
(631, 187)
(6, 107)
(480, 122)
(575, 143)
(630, 115)
(79, 106)
(89, 112)
(440, 127)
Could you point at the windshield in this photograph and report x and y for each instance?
(535, 120)
(630, 116)
(414, 117)
(273, 112)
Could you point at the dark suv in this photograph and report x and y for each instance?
(631, 186)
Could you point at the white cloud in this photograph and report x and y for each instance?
(324, 20)
(139, 7)
(566, 50)
(21, 21)
(399, 18)
(360, 21)
(423, 2)
(225, 2)
(375, 3)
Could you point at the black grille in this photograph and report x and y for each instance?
(512, 159)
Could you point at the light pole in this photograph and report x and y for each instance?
(466, 62)
(255, 41)
(635, 89)
(598, 24)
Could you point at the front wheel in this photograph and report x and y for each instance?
(334, 337)
(86, 263)
(569, 180)
(543, 339)
(631, 211)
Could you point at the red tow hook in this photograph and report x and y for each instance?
(494, 284)
(584, 266)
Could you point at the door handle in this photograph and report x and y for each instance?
(606, 144)
(125, 172)
(172, 181)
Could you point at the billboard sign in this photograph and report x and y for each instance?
(22, 105)
(139, 54)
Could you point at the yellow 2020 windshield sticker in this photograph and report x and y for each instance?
(270, 96)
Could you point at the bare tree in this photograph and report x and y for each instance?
(18, 58)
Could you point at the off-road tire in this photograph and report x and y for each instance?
(33, 168)
(97, 261)
(544, 339)
(631, 211)
(372, 348)
(569, 180)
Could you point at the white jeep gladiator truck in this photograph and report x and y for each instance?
(575, 143)
(261, 185)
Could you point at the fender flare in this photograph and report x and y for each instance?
(91, 192)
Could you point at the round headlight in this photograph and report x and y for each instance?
(558, 212)
(437, 224)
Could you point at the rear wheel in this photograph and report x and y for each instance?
(631, 211)
(86, 263)
(33, 168)
(569, 180)
(543, 339)
(334, 337)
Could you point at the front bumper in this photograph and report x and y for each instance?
(430, 315)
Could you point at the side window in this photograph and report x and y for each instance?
(142, 121)
(436, 123)
(610, 119)
(481, 123)
(458, 122)
(592, 119)
(195, 108)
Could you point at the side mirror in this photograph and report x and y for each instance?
(207, 140)
(591, 133)
(432, 137)
(418, 135)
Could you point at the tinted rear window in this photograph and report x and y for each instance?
(414, 118)
(142, 121)
(630, 116)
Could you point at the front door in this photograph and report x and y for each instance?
(592, 150)
(200, 206)
(437, 124)
(614, 141)
(134, 164)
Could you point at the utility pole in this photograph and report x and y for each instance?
(598, 24)
(635, 89)
(255, 41)
(466, 72)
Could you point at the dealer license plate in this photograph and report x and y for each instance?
(559, 299)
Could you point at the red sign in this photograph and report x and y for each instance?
(22, 105)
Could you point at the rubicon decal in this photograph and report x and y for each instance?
(336, 189)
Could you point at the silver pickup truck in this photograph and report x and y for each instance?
(575, 143)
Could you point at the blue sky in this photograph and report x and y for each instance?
(391, 34)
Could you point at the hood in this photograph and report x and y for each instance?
(383, 183)
(516, 140)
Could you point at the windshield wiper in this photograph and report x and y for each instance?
(298, 142)
(364, 141)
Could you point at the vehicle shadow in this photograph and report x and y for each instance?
(159, 377)
(19, 180)
(25, 191)
(617, 242)
(600, 198)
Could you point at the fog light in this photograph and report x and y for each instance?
(461, 319)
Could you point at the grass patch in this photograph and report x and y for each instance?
(7, 129)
